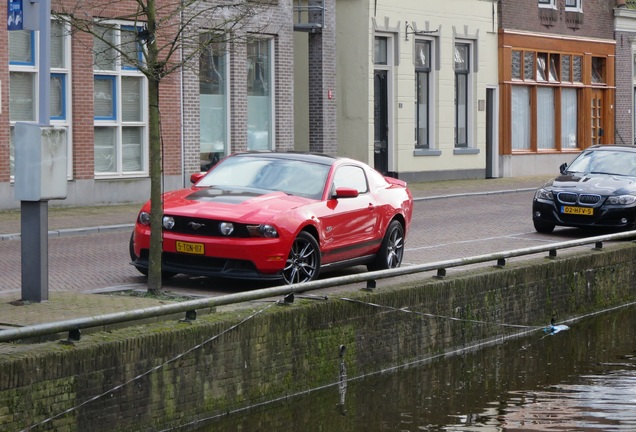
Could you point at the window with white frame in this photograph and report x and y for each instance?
(260, 94)
(574, 5)
(422, 93)
(120, 101)
(213, 101)
(547, 4)
(24, 81)
(462, 93)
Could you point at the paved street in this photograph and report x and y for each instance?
(442, 229)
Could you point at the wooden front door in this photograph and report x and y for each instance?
(597, 118)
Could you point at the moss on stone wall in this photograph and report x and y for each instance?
(150, 376)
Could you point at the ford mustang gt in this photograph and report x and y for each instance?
(279, 215)
(596, 190)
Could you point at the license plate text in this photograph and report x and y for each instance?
(586, 211)
(191, 248)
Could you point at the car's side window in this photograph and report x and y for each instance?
(351, 177)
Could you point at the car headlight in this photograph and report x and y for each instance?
(622, 199)
(144, 218)
(543, 194)
(168, 222)
(226, 228)
(263, 230)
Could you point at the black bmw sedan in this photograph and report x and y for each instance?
(596, 190)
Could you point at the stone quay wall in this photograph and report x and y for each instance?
(168, 374)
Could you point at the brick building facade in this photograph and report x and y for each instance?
(625, 34)
(557, 81)
(238, 94)
(100, 106)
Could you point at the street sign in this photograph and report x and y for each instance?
(15, 15)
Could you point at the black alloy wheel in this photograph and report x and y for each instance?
(392, 249)
(303, 262)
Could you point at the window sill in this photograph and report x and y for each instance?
(463, 151)
(426, 152)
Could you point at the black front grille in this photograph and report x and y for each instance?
(567, 197)
(589, 199)
(205, 227)
(582, 199)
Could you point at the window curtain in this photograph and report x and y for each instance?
(521, 118)
(569, 111)
(259, 95)
(131, 108)
(57, 45)
(131, 148)
(103, 97)
(22, 96)
(545, 118)
(20, 47)
(212, 101)
(105, 150)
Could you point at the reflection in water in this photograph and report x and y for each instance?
(583, 379)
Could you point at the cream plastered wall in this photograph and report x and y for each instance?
(447, 21)
(354, 70)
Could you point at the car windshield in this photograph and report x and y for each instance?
(293, 177)
(605, 162)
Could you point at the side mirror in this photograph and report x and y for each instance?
(345, 192)
(196, 177)
(563, 168)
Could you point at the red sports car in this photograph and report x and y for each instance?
(279, 215)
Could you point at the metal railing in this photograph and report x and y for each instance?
(74, 326)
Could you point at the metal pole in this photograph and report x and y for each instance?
(35, 217)
(35, 266)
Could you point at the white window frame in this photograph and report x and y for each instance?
(576, 7)
(389, 67)
(470, 77)
(432, 67)
(65, 71)
(548, 4)
(120, 71)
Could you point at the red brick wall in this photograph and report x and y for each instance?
(597, 19)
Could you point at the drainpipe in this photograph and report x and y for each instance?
(621, 3)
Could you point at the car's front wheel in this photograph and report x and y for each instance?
(303, 262)
(392, 249)
(543, 227)
(133, 258)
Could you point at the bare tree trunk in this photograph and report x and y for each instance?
(154, 150)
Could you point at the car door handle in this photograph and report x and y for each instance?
(371, 206)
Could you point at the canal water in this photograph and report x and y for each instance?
(580, 379)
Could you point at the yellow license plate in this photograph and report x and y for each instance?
(190, 248)
(586, 211)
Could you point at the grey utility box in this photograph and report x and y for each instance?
(40, 162)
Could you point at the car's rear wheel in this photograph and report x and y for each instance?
(543, 227)
(303, 262)
(392, 249)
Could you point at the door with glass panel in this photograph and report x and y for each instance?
(381, 122)
(596, 119)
